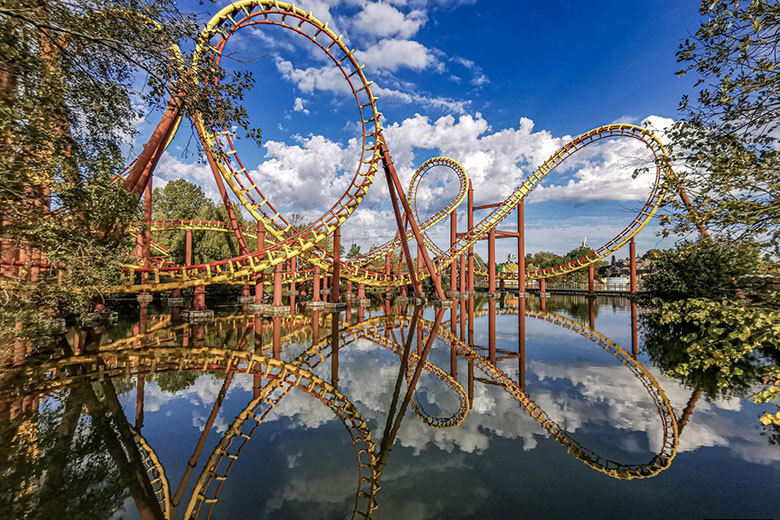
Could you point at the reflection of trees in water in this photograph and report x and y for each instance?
(576, 306)
(75, 460)
(173, 382)
(668, 351)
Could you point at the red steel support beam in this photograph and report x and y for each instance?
(521, 248)
(492, 260)
(226, 200)
(188, 247)
(293, 269)
(471, 226)
(402, 234)
(259, 287)
(632, 260)
(336, 279)
(315, 290)
(387, 269)
(591, 281)
(199, 296)
(147, 240)
(146, 162)
(462, 274)
(393, 179)
(278, 285)
(488, 206)
(453, 239)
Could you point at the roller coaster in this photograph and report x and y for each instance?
(279, 244)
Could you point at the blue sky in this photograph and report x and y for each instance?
(498, 86)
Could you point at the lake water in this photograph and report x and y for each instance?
(415, 414)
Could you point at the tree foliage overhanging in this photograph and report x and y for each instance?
(72, 78)
(725, 149)
(714, 323)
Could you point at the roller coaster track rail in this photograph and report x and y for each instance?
(285, 241)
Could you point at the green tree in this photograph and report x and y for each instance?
(68, 82)
(354, 251)
(178, 200)
(706, 268)
(725, 148)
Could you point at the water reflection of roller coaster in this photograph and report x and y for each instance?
(134, 356)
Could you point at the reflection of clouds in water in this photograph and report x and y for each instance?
(605, 396)
(199, 421)
(582, 397)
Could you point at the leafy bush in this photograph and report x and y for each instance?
(702, 269)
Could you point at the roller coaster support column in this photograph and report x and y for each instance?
(543, 293)
(471, 248)
(259, 286)
(591, 283)
(521, 250)
(141, 173)
(277, 285)
(387, 270)
(199, 297)
(188, 247)
(235, 226)
(632, 260)
(492, 263)
(315, 289)
(419, 267)
(396, 189)
(336, 279)
(293, 269)
(454, 265)
(148, 221)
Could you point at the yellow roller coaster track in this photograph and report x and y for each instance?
(291, 242)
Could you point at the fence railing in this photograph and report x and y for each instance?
(572, 286)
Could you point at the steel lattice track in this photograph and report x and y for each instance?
(289, 242)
